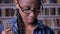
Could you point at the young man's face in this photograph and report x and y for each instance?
(29, 10)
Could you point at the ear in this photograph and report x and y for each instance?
(16, 4)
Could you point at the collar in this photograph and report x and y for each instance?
(39, 24)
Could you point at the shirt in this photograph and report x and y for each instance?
(40, 28)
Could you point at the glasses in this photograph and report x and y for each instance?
(29, 10)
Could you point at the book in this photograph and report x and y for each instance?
(58, 1)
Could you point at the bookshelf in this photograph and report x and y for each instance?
(50, 16)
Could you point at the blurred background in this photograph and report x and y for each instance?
(50, 15)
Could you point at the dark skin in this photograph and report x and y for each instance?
(28, 19)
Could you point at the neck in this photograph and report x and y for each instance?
(29, 24)
(29, 27)
(26, 24)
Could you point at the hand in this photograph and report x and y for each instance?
(7, 31)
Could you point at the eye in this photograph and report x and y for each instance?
(26, 9)
(37, 10)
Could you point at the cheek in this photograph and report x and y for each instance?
(24, 16)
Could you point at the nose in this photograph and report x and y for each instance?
(31, 14)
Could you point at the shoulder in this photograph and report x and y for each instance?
(13, 24)
(46, 28)
(40, 23)
(12, 21)
(1, 28)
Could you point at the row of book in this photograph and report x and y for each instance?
(46, 11)
(6, 1)
(7, 12)
(51, 22)
(50, 11)
(43, 1)
(51, 1)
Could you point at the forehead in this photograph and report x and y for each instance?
(28, 2)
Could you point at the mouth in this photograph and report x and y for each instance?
(30, 20)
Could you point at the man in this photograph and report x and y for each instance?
(27, 22)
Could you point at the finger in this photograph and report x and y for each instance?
(3, 32)
(7, 30)
(10, 32)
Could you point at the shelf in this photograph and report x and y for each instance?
(56, 28)
(10, 17)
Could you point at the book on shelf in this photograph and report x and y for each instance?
(0, 13)
(48, 22)
(58, 22)
(43, 1)
(10, 12)
(0, 1)
(52, 1)
(46, 11)
(58, 1)
(52, 11)
(58, 11)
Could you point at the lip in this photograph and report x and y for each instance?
(31, 19)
